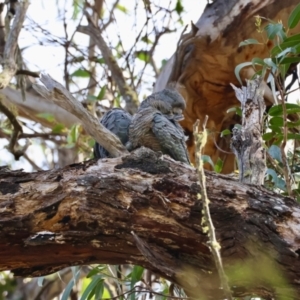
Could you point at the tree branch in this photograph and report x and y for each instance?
(63, 98)
(126, 91)
(8, 61)
(86, 213)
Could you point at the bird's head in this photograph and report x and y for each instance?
(168, 101)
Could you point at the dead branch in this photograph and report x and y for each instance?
(126, 91)
(8, 61)
(86, 213)
(55, 92)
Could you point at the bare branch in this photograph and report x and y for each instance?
(8, 61)
(12, 147)
(63, 98)
(126, 91)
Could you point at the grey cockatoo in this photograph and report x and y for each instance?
(168, 101)
(155, 125)
(116, 120)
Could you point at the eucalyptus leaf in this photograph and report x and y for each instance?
(248, 42)
(80, 73)
(274, 30)
(97, 279)
(207, 159)
(275, 153)
(238, 69)
(294, 17)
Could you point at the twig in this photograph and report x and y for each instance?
(15, 134)
(200, 141)
(8, 61)
(126, 91)
(286, 169)
(34, 165)
(28, 73)
(55, 92)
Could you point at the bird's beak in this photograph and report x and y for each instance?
(178, 117)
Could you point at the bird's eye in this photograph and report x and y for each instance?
(177, 111)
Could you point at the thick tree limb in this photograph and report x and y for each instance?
(62, 97)
(86, 213)
(35, 105)
(126, 91)
(8, 61)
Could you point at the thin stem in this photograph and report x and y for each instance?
(207, 223)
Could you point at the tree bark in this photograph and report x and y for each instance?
(142, 209)
(204, 65)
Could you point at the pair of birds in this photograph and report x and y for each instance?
(155, 125)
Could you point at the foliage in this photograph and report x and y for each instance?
(282, 119)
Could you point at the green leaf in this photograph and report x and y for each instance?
(293, 136)
(276, 121)
(290, 60)
(46, 116)
(96, 280)
(58, 128)
(146, 39)
(68, 290)
(248, 42)
(122, 8)
(101, 93)
(136, 276)
(276, 130)
(236, 109)
(257, 61)
(179, 8)
(238, 69)
(218, 166)
(73, 134)
(269, 62)
(276, 110)
(283, 69)
(279, 183)
(80, 73)
(91, 98)
(275, 29)
(207, 159)
(96, 270)
(225, 132)
(100, 60)
(275, 152)
(268, 136)
(143, 55)
(238, 126)
(99, 290)
(294, 17)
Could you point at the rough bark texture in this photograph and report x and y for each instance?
(204, 64)
(247, 143)
(143, 209)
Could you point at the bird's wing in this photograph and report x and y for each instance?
(170, 137)
(117, 121)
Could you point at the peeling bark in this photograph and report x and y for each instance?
(142, 209)
(208, 62)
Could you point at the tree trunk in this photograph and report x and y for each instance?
(205, 60)
(142, 209)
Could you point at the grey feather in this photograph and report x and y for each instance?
(168, 101)
(152, 129)
(116, 120)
